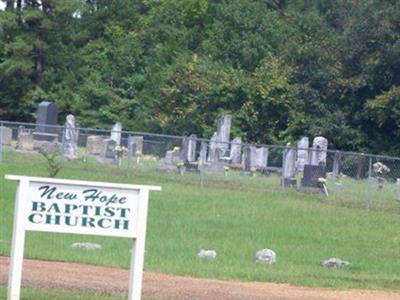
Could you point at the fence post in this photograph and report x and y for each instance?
(129, 158)
(369, 183)
(1, 141)
(283, 166)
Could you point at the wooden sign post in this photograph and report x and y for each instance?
(80, 207)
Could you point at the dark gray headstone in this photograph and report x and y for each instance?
(361, 166)
(47, 114)
(311, 174)
(109, 148)
(336, 164)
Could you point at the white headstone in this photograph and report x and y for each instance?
(289, 162)
(318, 151)
(236, 150)
(261, 158)
(223, 133)
(116, 132)
(6, 135)
(191, 148)
(70, 138)
(302, 153)
(213, 153)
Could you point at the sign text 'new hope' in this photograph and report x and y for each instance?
(79, 209)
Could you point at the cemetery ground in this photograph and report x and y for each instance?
(236, 216)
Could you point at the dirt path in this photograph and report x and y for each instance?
(71, 276)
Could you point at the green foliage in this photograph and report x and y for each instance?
(53, 160)
(283, 69)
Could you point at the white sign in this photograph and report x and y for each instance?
(81, 207)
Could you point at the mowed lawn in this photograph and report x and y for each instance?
(36, 294)
(236, 216)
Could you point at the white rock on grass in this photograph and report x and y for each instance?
(86, 246)
(207, 254)
(266, 256)
(334, 263)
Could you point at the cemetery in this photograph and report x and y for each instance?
(304, 215)
(199, 149)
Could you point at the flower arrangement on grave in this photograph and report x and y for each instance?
(322, 182)
(138, 155)
(380, 170)
(180, 165)
(253, 171)
(226, 169)
(119, 153)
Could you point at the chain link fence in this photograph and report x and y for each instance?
(339, 178)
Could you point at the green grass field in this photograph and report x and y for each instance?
(36, 294)
(236, 216)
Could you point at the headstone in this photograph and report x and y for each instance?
(203, 154)
(135, 145)
(249, 161)
(21, 129)
(223, 132)
(47, 117)
(70, 138)
(212, 153)
(302, 153)
(171, 160)
(188, 153)
(191, 153)
(398, 189)
(94, 144)
(108, 150)
(217, 166)
(236, 151)
(25, 141)
(6, 135)
(261, 158)
(336, 164)
(289, 166)
(318, 151)
(116, 132)
(311, 175)
(46, 146)
(361, 166)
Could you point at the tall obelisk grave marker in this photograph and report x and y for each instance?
(81, 207)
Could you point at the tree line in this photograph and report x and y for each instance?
(283, 68)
